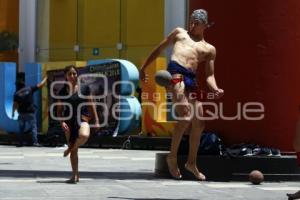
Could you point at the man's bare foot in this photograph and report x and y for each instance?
(173, 168)
(294, 196)
(67, 152)
(194, 170)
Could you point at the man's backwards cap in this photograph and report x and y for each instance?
(200, 15)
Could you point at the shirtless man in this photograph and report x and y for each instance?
(190, 50)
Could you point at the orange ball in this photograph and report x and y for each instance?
(256, 177)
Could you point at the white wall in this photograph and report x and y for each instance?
(27, 32)
(175, 16)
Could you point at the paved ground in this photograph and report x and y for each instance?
(39, 173)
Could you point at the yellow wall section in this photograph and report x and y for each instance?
(9, 15)
(53, 66)
(143, 22)
(98, 27)
(99, 22)
(62, 54)
(105, 53)
(63, 29)
(142, 28)
(9, 21)
(137, 24)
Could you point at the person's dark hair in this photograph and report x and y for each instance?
(66, 70)
(69, 67)
(19, 84)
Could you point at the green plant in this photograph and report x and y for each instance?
(8, 41)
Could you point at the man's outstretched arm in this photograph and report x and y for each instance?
(42, 83)
(210, 76)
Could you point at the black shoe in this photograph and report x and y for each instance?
(275, 152)
(36, 145)
(262, 151)
(246, 152)
(19, 145)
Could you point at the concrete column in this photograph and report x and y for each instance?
(27, 32)
(175, 16)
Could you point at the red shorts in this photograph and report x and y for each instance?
(193, 93)
(174, 81)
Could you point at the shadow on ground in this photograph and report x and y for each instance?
(83, 174)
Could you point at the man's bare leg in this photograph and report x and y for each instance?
(182, 110)
(179, 129)
(194, 141)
